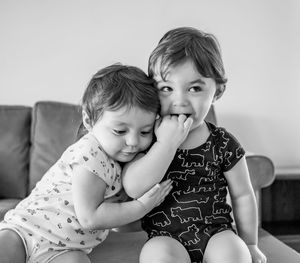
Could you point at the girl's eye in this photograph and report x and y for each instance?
(145, 133)
(119, 132)
(195, 89)
(165, 89)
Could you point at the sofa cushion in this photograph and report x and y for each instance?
(7, 204)
(14, 150)
(54, 128)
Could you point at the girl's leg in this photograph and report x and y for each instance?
(75, 256)
(11, 247)
(226, 247)
(164, 249)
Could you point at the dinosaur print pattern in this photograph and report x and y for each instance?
(197, 208)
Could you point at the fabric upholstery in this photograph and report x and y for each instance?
(54, 128)
(15, 124)
(7, 204)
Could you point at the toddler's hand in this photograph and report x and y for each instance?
(256, 254)
(173, 130)
(155, 195)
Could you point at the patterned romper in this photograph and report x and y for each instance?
(196, 207)
(46, 220)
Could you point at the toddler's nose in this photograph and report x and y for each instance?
(180, 99)
(132, 140)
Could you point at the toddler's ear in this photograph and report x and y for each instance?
(86, 121)
(219, 91)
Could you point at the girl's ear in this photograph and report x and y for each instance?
(219, 91)
(86, 121)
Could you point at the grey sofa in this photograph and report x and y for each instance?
(33, 138)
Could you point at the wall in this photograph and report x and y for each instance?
(49, 49)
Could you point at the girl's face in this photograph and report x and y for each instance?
(186, 91)
(125, 132)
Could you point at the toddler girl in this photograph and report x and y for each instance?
(77, 201)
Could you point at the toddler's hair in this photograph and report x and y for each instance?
(183, 43)
(117, 86)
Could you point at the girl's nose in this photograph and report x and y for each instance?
(179, 99)
(132, 140)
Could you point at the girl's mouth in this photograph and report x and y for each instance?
(186, 114)
(129, 153)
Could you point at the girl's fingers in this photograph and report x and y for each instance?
(188, 123)
(154, 190)
(182, 118)
(167, 189)
(185, 121)
(166, 182)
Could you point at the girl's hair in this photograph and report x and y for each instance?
(117, 86)
(183, 43)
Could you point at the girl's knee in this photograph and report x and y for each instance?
(12, 247)
(72, 257)
(164, 250)
(231, 248)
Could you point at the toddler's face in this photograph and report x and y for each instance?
(186, 91)
(124, 132)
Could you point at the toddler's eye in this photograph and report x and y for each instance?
(145, 133)
(195, 89)
(119, 132)
(165, 89)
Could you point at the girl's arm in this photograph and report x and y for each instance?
(148, 169)
(244, 207)
(94, 213)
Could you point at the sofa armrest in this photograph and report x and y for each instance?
(261, 169)
(262, 174)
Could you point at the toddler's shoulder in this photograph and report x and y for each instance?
(87, 148)
(227, 146)
(221, 133)
(224, 140)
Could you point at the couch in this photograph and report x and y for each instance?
(33, 138)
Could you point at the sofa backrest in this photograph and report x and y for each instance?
(54, 128)
(15, 122)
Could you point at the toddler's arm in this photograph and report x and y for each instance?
(94, 213)
(147, 170)
(244, 207)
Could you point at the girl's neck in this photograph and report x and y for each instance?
(196, 137)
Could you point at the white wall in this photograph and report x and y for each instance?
(49, 49)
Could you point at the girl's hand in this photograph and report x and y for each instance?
(256, 254)
(173, 130)
(156, 195)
